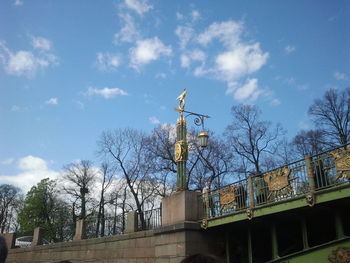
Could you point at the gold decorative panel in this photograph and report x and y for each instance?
(180, 151)
(342, 163)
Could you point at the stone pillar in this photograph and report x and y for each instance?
(175, 242)
(80, 230)
(179, 207)
(38, 236)
(131, 223)
(251, 191)
(10, 239)
(310, 173)
(181, 234)
(181, 154)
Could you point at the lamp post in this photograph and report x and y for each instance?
(181, 146)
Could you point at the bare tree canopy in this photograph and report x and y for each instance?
(79, 178)
(250, 137)
(216, 161)
(127, 150)
(309, 142)
(106, 174)
(332, 115)
(10, 199)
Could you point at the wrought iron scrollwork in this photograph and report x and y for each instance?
(198, 119)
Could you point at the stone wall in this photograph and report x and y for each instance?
(179, 236)
(129, 248)
(168, 244)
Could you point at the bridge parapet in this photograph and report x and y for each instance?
(303, 178)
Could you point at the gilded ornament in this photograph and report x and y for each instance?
(342, 163)
(180, 151)
(250, 213)
(340, 255)
(227, 197)
(181, 99)
(310, 199)
(204, 224)
(278, 182)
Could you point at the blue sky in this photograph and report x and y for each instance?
(72, 69)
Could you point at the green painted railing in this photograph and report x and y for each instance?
(301, 178)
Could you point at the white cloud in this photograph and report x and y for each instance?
(179, 16)
(195, 15)
(7, 161)
(302, 86)
(289, 49)
(191, 56)
(107, 93)
(32, 170)
(52, 101)
(240, 61)
(129, 32)
(275, 102)
(184, 34)
(154, 120)
(18, 2)
(25, 63)
(304, 125)
(15, 108)
(139, 6)
(224, 56)
(79, 104)
(247, 92)
(228, 33)
(185, 61)
(148, 50)
(107, 61)
(160, 75)
(41, 43)
(340, 76)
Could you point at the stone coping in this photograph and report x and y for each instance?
(86, 242)
(178, 227)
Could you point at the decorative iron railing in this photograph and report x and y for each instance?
(107, 226)
(300, 178)
(150, 219)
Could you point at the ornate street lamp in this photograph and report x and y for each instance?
(203, 139)
(181, 146)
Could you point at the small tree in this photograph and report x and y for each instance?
(331, 114)
(43, 208)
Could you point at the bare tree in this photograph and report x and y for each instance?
(332, 115)
(127, 149)
(216, 161)
(78, 181)
(160, 149)
(309, 142)
(160, 146)
(119, 199)
(106, 180)
(250, 137)
(10, 200)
